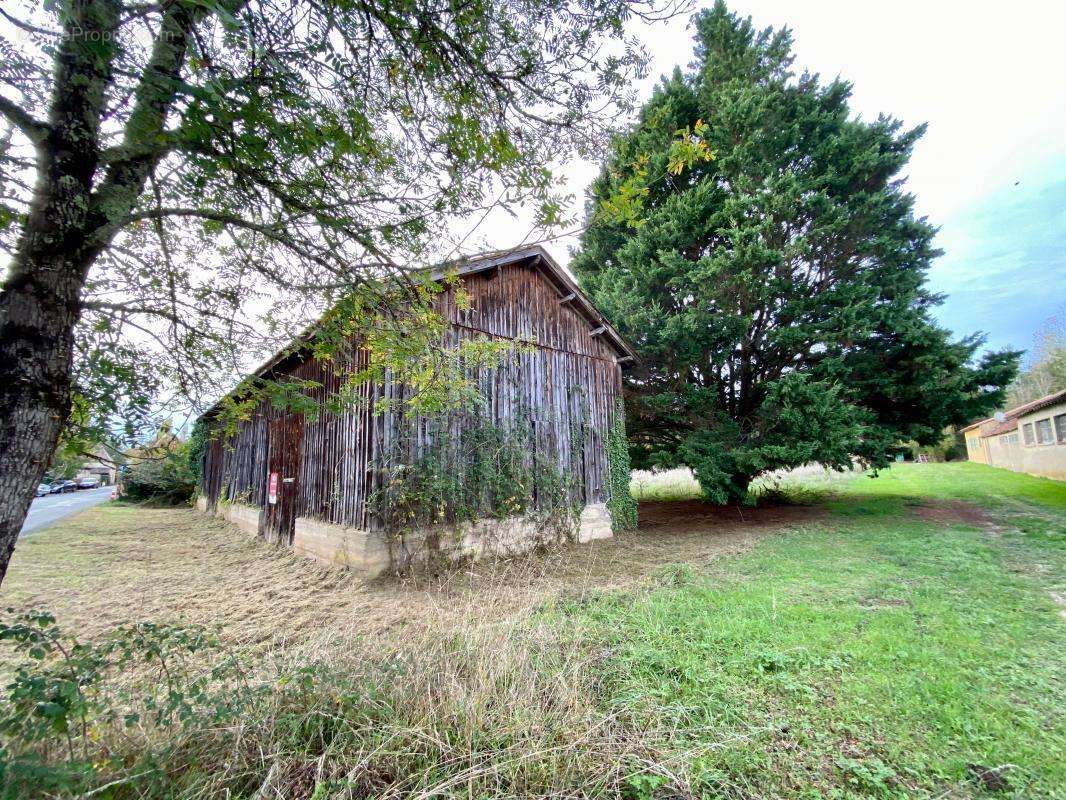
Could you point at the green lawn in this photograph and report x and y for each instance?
(874, 655)
(961, 480)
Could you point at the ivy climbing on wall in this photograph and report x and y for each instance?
(620, 500)
(453, 470)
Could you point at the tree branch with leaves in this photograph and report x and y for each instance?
(183, 185)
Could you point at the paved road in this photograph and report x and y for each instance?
(51, 508)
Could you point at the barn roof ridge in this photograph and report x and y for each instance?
(472, 265)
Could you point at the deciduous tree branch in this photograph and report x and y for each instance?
(35, 130)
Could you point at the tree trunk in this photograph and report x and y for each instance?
(40, 296)
(72, 218)
(38, 310)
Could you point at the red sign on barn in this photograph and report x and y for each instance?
(272, 489)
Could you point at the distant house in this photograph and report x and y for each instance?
(327, 486)
(1030, 438)
(100, 463)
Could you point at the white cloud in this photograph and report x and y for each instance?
(988, 80)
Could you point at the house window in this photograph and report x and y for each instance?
(1043, 431)
(1060, 428)
(1027, 432)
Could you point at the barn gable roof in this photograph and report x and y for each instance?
(533, 256)
(539, 258)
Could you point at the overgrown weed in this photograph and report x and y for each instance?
(483, 712)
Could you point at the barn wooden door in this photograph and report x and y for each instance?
(285, 436)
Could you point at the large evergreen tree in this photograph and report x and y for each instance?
(754, 241)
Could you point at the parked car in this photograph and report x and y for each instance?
(89, 482)
(61, 487)
(43, 489)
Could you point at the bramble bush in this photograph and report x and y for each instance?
(66, 699)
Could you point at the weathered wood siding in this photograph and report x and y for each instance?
(566, 386)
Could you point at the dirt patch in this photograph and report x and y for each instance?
(953, 512)
(875, 603)
(694, 515)
(112, 566)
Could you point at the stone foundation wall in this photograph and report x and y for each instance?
(362, 551)
(595, 523)
(488, 538)
(371, 554)
(244, 517)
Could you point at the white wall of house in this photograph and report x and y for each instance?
(1004, 451)
(1042, 442)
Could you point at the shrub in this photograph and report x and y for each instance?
(956, 451)
(77, 715)
(161, 475)
(620, 500)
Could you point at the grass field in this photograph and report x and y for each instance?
(899, 637)
(881, 653)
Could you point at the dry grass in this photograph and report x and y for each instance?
(670, 484)
(515, 710)
(511, 711)
(871, 653)
(435, 687)
(119, 564)
(680, 484)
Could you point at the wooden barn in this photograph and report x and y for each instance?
(529, 465)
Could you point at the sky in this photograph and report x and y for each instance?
(990, 173)
(990, 82)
